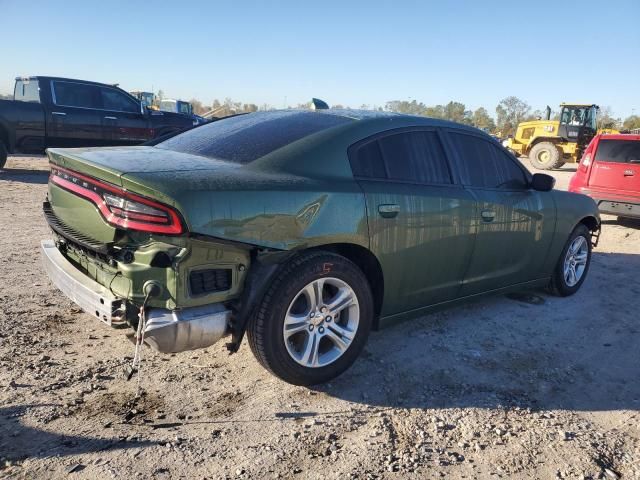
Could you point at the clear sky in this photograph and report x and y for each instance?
(347, 52)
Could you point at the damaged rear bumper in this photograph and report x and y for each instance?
(167, 331)
(90, 296)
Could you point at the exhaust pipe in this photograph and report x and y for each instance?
(173, 331)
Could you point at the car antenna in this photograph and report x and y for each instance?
(317, 104)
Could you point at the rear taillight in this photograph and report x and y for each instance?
(586, 161)
(119, 207)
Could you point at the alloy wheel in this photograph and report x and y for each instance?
(575, 261)
(321, 322)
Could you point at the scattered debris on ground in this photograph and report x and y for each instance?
(530, 386)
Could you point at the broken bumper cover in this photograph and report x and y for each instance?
(89, 295)
(166, 331)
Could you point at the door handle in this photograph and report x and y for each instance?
(488, 215)
(62, 114)
(388, 210)
(629, 173)
(110, 118)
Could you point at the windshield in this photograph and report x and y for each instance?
(184, 107)
(578, 116)
(618, 151)
(147, 99)
(27, 90)
(245, 138)
(168, 105)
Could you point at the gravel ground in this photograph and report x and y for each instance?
(526, 386)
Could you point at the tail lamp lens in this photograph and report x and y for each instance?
(586, 161)
(119, 207)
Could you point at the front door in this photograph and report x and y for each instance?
(420, 222)
(514, 223)
(75, 118)
(125, 122)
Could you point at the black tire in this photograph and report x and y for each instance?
(545, 156)
(3, 155)
(265, 329)
(559, 285)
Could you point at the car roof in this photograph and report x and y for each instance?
(325, 152)
(618, 136)
(384, 119)
(63, 79)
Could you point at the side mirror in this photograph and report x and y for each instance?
(542, 182)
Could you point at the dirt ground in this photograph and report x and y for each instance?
(526, 386)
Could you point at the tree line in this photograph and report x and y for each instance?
(509, 112)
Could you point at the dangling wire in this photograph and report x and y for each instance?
(136, 365)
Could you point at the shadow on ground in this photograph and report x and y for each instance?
(530, 350)
(19, 442)
(624, 222)
(24, 175)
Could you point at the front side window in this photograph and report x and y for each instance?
(69, 94)
(415, 157)
(116, 101)
(484, 165)
(618, 151)
(27, 91)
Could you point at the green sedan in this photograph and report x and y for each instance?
(304, 230)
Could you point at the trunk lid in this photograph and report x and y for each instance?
(194, 186)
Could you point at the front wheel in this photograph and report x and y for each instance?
(545, 156)
(314, 319)
(573, 265)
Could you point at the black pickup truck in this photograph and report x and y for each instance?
(61, 112)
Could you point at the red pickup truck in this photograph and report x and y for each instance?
(609, 172)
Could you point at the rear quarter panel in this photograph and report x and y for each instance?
(274, 211)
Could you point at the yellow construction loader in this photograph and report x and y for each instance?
(551, 143)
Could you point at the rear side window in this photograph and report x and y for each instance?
(246, 138)
(618, 151)
(70, 94)
(483, 164)
(415, 156)
(118, 101)
(367, 161)
(27, 91)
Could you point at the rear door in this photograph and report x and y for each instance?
(616, 166)
(420, 221)
(125, 122)
(75, 118)
(514, 223)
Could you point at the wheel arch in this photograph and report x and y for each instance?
(367, 262)
(537, 140)
(590, 222)
(4, 137)
(263, 271)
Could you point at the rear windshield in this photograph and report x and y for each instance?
(27, 90)
(618, 151)
(246, 138)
